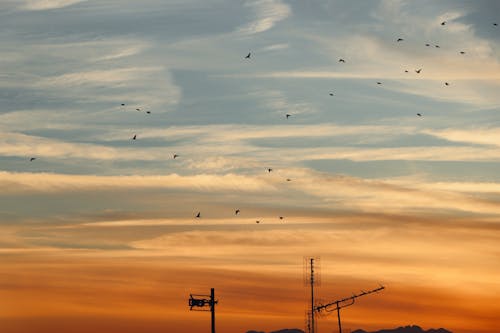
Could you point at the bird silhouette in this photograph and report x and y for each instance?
(137, 109)
(437, 46)
(462, 52)
(379, 82)
(427, 44)
(446, 84)
(257, 221)
(269, 170)
(331, 94)
(123, 104)
(281, 217)
(287, 115)
(495, 24)
(248, 55)
(443, 23)
(399, 40)
(419, 114)
(406, 71)
(175, 156)
(341, 60)
(236, 212)
(198, 215)
(135, 137)
(288, 180)
(148, 112)
(418, 70)
(32, 159)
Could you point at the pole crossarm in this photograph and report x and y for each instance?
(345, 302)
(198, 301)
(204, 303)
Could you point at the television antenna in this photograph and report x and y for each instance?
(343, 303)
(202, 303)
(311, 266)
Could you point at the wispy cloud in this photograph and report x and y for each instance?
(94, 77)
(125, 52)
(278, 101)
(276, 47)
(48, 4)
(268, 13)
(348, 193)
(46, 182)
(481, 136)
(229, 147)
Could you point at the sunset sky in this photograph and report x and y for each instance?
(98, 233)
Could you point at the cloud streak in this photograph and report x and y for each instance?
(268, 13)
(48, 4)
(45, 182)
(316, 189)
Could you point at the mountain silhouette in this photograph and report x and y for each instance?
(406, 329)
(286, 330)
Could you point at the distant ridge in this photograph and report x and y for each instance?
(286, 330)
(407, 329)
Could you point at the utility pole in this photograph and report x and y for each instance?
(204, 304)
(212, 308)
(312, 294)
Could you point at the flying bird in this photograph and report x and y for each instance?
(462, 52)
(399, 40)
(287, 115)
(446, 84)
(427, 44)
(331, 94)
(418, 70)
(419, 114)
(123, 104)
(269, 170)
(257, 221)
(175, 156)
(443, 23)
(148, 112)
(288, 180)
(379, 82)
(406, 71)
(32, 159)
(248, 55)
(495, 24)
(135, 137)
(281, 217)
(198, 215)
(137, 109)
(437, 46)
(236, 212)
(341, 60)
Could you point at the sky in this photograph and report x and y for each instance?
(392, 184)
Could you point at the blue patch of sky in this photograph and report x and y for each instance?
(435, 170)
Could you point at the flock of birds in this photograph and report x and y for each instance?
(288, 115)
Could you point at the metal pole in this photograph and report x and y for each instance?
(338, 316)
(212, 308)
(312, 296)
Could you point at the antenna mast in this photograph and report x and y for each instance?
(311, 280)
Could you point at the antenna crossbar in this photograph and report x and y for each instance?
(342, 303)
